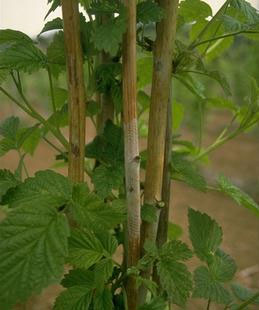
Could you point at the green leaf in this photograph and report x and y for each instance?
(102, 272)
(174, 231)
(144, 71)
(148, 213)
(107, 147)
(61, 97)
(22, 55)
(54, 24)
(205, 234)
(186, 171)
(175, 279)
(149, 12)
(92, 108)
(223, 267)
(6, 145)
(9, 37)
(103, 300)
(221, 103)
(7, 181)
(178, 114)
(9, 128)
(246, 8)
(47, 188)
(175, 250)
(143, 100)
(155, 304)
(54, 6)
(243, 293)
(90, 211)
(194, 10)
(85, 249)
(56, 54)
(33, 246)
(79, 277)
(106, 179)
(74, 298)
(207, 287)
(32, 141)
(237, 194)
(108, 37)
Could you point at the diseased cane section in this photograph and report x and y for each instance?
(75, 80)
(131, 151)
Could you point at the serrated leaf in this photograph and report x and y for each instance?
(109, 36)
(243, 293)
(246, 8)
(107, 147)
(33, 246)
(47, 188)
(205, 234)
(175, 279)
(194, 10)
(54, 6)
(24, 56)
(237, 194)
(186, 171)
(149, 12)
(102, 272)
(9, 128)
(79, 277)
(209, 288)
(85, 249)
(106, 179)
(223, 267)
(56, 54)
(32, 141)
(74, 298)
(155, 304)
(103, 300)
(90, 211)
(7, 181)
(6, 145)
(10, 36)
(175, 250)
(54, 24)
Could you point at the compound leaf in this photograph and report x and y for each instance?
(90, 211)
(46, 187)
(33, 246)
(207, 287)
(205, 234)
(149, 12)
(175, 279)
(74, 298)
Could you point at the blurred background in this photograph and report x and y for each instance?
(237, 159)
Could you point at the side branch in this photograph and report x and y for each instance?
(75, 79)
(131, 150)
